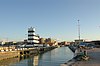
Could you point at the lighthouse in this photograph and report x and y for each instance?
(33, 39)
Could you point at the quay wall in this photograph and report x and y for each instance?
(7, 55)
(72, 48)
(18, 53)
(73, 60)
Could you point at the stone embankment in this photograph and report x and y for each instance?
(6, 54)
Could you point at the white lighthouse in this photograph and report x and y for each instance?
(33, 39)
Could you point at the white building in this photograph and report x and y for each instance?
(33, 39)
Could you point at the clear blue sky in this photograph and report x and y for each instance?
(51, 18)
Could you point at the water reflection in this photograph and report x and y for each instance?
(36, 58)
(55, 57)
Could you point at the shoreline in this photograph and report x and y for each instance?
(94, 59)
(71, 61)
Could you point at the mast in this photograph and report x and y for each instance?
(79, 30)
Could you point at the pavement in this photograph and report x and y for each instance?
(94, 58)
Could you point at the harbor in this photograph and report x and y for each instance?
(36, 51)
(39, 51)
(49, 32)
(55, 57)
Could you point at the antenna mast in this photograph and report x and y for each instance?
(78, 30)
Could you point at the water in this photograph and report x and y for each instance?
(51, 58)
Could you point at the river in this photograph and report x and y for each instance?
(51, 58)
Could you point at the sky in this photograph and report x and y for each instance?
(56, 19)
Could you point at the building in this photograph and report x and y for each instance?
(50, 41)
(96, 43)
(42, 41)
(64, 43)
(79, 41)
(33, 39)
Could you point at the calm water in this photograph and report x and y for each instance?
(51, 58)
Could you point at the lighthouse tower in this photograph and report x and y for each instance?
(33, 39)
